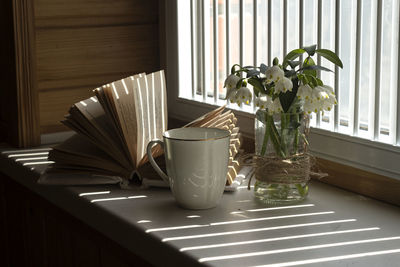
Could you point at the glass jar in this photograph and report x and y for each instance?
(282, 169)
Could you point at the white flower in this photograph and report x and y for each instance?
(323, 98)
(231, 81)
(319, 94)
(283, 85)
(243, 95)
(230, 84)
(274, 74)
(329, 90)
(304, 92)
(275, 106)
(263, 101)
(311, 106)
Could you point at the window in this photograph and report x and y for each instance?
(364, 129)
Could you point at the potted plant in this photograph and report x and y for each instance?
(286, 94)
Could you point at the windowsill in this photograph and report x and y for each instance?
(327, 209)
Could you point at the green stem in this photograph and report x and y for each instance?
(296, 134)
(284, 132)
(266, 135)
(275, 138)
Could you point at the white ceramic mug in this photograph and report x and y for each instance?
(197, 165)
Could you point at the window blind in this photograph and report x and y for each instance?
(364, 33)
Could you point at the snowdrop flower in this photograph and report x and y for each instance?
(304, 92)
(243, 95)
(310, 106)
(263, 101)
(230, 84)
(231, 81)
(274, 74)
(319, 93)
(327, 89)
(283, 85)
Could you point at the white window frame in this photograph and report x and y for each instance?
(373, 156)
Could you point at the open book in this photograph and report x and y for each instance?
(113, 129)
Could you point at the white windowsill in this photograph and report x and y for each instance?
(337, 224)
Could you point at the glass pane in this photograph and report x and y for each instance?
(293, 21)
(388, 66)
(310, 20)
(328, 42)
(276, 30)
(367, 69)
(346, 75)
(234, 41)
(262, 34)
(210, 68)
(221, 48)
(248, 41)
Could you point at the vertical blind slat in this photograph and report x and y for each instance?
(193, 43)
(398, 85)
(215, 32)
(285, 19)
(241, 31)
(255, 42)
(203, 51)
(393, 123)
(255, 25)
(378, 70)
(319, 36)
(228, 36)
(357, 74)
(337, 45)
(269, 33)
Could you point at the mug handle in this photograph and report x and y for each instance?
(152, 161)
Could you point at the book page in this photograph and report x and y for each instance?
(79, 155)
(152, 92)
(102, 130)
(123, 101)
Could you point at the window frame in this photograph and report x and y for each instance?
(367, 155)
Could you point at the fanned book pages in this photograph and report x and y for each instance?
(113, 129)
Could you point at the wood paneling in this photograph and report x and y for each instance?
(68, 45)
(84, 13)
(89, 57)
(82, 44)
(34, 232)
(359, 181)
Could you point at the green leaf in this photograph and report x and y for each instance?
(290, 73)
(311, 79)
(310, 49)
(233, 68)
(309, 62)
(319, 81)
(257, 86)
(292, 55)
(263, 68)
(252, 72)
(331, 56)
(239, 83)
(293, 64)
(315, 67)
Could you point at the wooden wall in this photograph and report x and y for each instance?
(82, 44)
